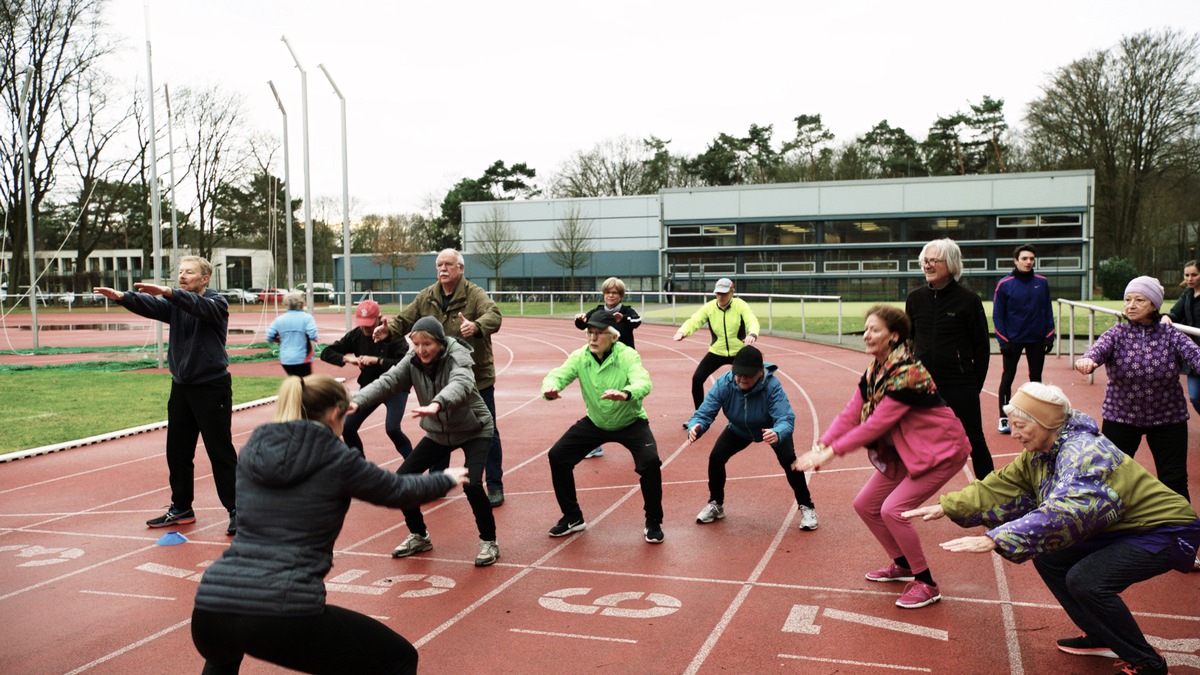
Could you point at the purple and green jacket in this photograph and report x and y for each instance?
(1082, 488)
(1144, 364)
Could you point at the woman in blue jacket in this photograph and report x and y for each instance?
(758, 410)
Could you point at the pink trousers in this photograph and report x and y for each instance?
(883, 499)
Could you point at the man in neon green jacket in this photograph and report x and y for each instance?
(731, 326)
(613, 383)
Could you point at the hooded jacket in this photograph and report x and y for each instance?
(295, 481)
(1083, 487)
(765, 406)
(473, 302)
(450, 382)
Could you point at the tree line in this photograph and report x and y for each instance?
(1130, 112)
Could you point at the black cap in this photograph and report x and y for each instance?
(748, 361)
(602, 320)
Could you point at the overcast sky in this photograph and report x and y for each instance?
(437, 91)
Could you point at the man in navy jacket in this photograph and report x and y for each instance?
(1024, 322)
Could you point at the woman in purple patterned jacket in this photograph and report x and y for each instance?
(1144, 396)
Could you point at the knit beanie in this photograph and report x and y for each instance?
(430, 325)
(1149, 287)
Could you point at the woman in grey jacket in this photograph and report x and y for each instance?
(453, 415)
(266, 595)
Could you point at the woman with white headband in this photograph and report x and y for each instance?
(1093, 521)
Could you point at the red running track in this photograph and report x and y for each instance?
(84, 588)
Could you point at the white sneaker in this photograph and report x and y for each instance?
(711, 511)
(808, 518)
(489, 553)
(415, 543)
(1002, 427)
(598, 452)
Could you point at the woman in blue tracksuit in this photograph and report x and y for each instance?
(758, 410)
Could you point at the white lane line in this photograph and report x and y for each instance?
(128, 595)
(888, 666)
(129, 647)
(1011, 639)
(736, 604)
(572, 635)
(887, 624)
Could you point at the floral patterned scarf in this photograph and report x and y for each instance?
(902, 377)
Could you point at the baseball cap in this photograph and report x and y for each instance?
(367, 313)
(723, 286)
(602, 320)
(748, 361)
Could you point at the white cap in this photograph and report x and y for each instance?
(723, 286)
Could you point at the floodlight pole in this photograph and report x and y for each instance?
(171, 150)
(308, 226)
(287, 188)
(345, 202)
(23, 103)
(155, 214)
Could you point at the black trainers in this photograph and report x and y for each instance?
(1085, 646)
(232, 529)
(654, 533)
(496, 497)
(173, 517)
(566, 525)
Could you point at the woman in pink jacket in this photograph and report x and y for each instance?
(914, 440)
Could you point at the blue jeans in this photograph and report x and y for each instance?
(1087, 584)
(391, 424)
(493, 471)
(1194, 391)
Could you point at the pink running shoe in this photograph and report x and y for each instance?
(892, 572)
(918, 594)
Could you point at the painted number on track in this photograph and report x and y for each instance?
(42, 556)
(609, 605)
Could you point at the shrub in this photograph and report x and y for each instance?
(1115, 274)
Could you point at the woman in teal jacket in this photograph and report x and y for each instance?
(758, 410)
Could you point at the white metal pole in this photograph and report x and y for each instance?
(287, 189)
(23, 108)
(308, 225)
(346, 275)
(171, 150)
(155, 215)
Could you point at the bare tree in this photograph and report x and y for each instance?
(572, 247)
(394, 245)
(217, 149)
(61, 41)
(1132, 115)
(497, 243)
(613, 167)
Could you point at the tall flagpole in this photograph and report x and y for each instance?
(171, 150)
(155, 215)
(346, 275)
(308, 226)
(23, 109)
(287, 189)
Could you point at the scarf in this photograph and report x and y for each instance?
(900, 376)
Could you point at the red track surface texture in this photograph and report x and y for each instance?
(84, 588)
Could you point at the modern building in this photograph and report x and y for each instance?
(860, 240)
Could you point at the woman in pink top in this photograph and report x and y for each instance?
(913, 439)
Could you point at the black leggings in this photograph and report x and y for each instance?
(707, 366)
(729, 444)
(335, 641)
(1168, 446)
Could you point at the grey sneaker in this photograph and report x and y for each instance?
(489, 553)
(808, 519)
(416, 543)
(711, 511)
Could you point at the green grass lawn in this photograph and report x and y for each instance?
(44, 407)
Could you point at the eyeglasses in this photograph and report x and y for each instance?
(931, 261)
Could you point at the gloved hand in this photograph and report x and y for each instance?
(1048, 345)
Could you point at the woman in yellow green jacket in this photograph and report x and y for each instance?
(731, 326)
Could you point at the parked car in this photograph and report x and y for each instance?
(322, 292)
(239, 295)
(269, 295)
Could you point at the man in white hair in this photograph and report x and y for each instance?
(1093, 521)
